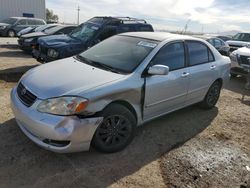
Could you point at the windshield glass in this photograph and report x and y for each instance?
(242, 37)
(121, 53)
(53, 30)
(9, 21)
(43, 28)
(84, 31)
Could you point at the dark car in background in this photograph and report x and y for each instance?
(86, 35)
(218, 43)
(11, 26)
(35, 29)
(29, 41)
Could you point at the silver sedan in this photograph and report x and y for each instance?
(100, 96)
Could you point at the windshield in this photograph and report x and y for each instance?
(53, 30)
(43, 28)
(242, 37)
(84, 31)
(121, 53)
(9, 21)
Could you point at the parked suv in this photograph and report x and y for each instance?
(238, 41)
(240, 60)
(11, 26)
(100, 96)
(86, 35)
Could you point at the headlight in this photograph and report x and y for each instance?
(63, 105)
(233, 56)
(52, 53)
(29, 40)
(2, 27)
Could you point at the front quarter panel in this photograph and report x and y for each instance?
(128, 90)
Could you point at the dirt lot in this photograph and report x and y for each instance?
(188, 148)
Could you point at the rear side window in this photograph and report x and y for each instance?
(126, 28)
(171, 55)
(145, 28)
(39, 22)
(66, 30)
(199, 53)
(217, 43)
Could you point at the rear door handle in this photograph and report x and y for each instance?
(212, 67)
(185, 74)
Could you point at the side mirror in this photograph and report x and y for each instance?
(158, 70)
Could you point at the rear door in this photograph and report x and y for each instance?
(165, 93)
(202, 70)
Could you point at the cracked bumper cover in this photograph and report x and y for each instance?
(42, 127)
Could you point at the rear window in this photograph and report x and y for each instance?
(199, 53)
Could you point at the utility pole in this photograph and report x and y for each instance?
(78, 11)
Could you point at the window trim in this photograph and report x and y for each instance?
(169, 43)
(208, 50)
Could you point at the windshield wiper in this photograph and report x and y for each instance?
(98, 64)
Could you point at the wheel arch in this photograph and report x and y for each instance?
(127, 105)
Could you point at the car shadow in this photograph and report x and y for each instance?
(24, 163)
(14, 74)
(9, 46)
(15, 53)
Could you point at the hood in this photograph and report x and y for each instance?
(34, 34)
(243, 51)
(237, 43)
(65, 77)
(58, 40)
(4, 24)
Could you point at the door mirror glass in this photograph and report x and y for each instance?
(158, 70)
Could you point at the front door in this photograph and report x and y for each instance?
(165, 93)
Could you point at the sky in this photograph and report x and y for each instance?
(201, 15)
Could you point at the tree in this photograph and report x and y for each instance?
(51, 17)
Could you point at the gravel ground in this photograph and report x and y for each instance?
(188, 148)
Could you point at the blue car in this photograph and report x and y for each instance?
(88, 34)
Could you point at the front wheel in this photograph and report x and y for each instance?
(116, 131)
(212, 96)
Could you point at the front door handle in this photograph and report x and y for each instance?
(185, 74)
(212, 67)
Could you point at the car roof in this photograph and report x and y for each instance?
(158, 36)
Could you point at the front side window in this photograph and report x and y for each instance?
(171, 55)
(10, 21)
(121, 53)
(199, 53)
(22, 22)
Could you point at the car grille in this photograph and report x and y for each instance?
(244, 60)
(25, 96)
(43, 49)
(234, 47)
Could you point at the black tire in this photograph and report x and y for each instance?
(11, 33)
(116, 131)
(212, 96)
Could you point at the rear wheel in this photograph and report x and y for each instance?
(116, 131)
(212, 96)
(11, 33)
